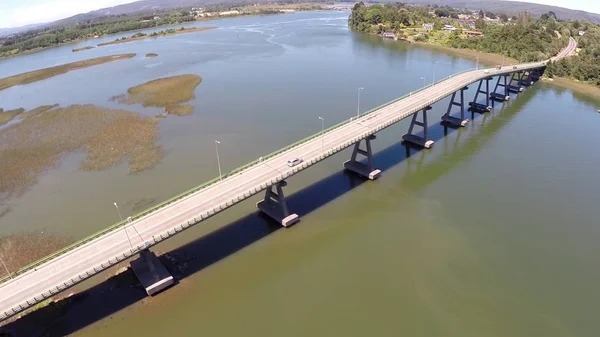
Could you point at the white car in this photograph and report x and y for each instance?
(294, 162)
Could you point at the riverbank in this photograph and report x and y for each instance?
(168, 32)
(574, 85)
(487, 59)
(42, 74)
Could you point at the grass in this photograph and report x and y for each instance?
(17, 250)
(9, 115)
(42, 74)
(182, 30)
(83, 48)
(108, 136)
(167, 93)
(151, 55)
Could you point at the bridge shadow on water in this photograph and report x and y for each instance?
(120, 291)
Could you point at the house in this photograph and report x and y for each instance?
(389, 35)
(470, 33)
(581, 33)
(449, 28)
(428, 26)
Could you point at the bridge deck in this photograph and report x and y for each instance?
(76, 265)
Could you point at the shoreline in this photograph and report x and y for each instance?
(575, 86)
(489, 59)
(179, 31)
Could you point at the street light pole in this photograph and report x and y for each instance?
(433, 78)
(477, 57)
(322, 134)
(125, 228)
(218, 159)
(9, 275)
(358, 103)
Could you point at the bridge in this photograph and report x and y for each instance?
(52, 275)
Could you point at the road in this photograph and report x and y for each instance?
(76, 265)
(568, 51)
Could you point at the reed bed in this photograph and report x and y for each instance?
(108, 136)
(42, 74)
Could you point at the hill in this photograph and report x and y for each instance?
(512, 8)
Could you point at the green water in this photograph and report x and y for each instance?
(493, 232)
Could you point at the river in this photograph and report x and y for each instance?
(493, 232)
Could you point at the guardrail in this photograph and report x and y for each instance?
(195, 189)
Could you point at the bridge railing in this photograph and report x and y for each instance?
(195, 189)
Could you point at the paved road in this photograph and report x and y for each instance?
(568, 51)
(76, 265)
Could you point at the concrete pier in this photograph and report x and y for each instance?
(366, 170)
(362, 169)
(515, 89)
(478, 107)
(417, 140)
(153, 276)
(499, 97)
(275, 206)
(454, 121)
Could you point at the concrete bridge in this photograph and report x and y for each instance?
(54, 274)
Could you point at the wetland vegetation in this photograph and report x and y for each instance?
(167, 93)
(42, 74)
(142, 36)
(108, 137)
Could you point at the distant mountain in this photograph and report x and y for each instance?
(15, 30)
(512, 7)
(508, 7)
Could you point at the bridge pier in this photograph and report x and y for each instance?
(497, 96)
(365, 170)
(516, 77)
(152, 274)
(454, 121)
(410, 137)
(275, 205)
(478, 107)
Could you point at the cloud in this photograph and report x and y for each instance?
(51, 10)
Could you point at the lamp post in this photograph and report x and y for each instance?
(358, 102)
(423, 78)
(218, 159)
(9, 275)
(477, 57)
(433, 78)
(125, 228)
(322, 134)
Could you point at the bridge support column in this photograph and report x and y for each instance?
(516, 77)
(454, 121)
(275, 205)
(501, 96)
(365, 170)
(410, 137)
(152, 274)
(478, 107)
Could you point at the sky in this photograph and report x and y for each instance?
(16, 13)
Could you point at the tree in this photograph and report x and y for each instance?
(481, 14)
(503, 17)
(480, 24)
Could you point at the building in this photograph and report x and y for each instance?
(471, 33)
(581, 33)
(428, 26)
(449, 28)
(389, 35)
